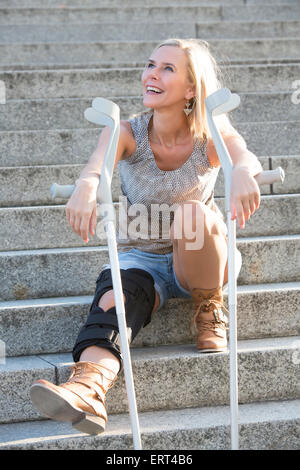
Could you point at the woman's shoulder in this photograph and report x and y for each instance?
(127, 139)
(133, 131)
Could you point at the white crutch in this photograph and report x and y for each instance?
(219, 102)
(107, 113)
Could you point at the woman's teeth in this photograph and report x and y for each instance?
(153, 89)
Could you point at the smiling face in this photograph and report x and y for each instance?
(165, 79)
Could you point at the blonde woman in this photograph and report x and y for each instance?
(166, 157)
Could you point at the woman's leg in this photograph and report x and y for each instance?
(206, 266)
(202, 270)
(96, 354)
(102, 355)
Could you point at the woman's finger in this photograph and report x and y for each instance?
(84, 225)
(257, 200)
(77, 223)
(93, 221)
(240, 214)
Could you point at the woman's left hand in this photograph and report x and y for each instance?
(245, 195)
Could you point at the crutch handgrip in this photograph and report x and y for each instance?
(270, 176)
(63, 191)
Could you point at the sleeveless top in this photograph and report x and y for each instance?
(150, 195)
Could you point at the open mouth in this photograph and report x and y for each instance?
(151, 90)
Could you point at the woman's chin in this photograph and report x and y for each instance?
(150, 103)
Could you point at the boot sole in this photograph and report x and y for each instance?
(54, 406)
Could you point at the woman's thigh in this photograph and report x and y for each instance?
(214, 224)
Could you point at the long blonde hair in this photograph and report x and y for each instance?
(205, 75)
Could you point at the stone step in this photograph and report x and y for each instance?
(26, 34)
(58, 272)
(42, 227)
(263, 426)
(107, 14)
(30, 327)
(66, 146)
(158, 384)
(136, 64)
(108, 51)
(39, 84)
(291, 168)
(14, 190)
(123, 3)
(68, 113)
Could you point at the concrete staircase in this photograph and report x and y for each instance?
(55, 57)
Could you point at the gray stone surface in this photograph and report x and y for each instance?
(106, 82)
(247, 29)
(107, 14)
(271, 138)
(145, 31)
(51, 272)
(135, 14)
(270, 259)
(68, 114)
(27, 148)
(73, 271)
(24, 34)
(47, 226)
(107, 51)
(263, 426)
(16, 377)
(121, 3)
(30, 326)
(291, 167)
(267, 371)
(15, 191)
(58, 113)
(261, 363)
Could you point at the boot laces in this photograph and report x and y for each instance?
(219, 320)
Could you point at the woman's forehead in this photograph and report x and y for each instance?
(170, 54)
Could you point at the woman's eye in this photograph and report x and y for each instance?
(169, 68)
(150, 65)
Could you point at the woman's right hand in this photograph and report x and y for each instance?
(81, 210)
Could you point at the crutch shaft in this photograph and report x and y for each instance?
(232, 305)
(120, 309)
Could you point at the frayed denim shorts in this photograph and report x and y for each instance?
(162, 271)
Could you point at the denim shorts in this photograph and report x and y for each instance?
(162, 271)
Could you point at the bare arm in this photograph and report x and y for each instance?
(81, 207)
(245, 193)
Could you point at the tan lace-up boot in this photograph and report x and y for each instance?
(209, 320)
(81, 400)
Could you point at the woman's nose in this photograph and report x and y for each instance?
(154, 73)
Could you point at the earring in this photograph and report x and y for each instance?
(187, 109)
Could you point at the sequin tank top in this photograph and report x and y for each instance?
(150, 195)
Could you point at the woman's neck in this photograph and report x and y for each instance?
(168, 129)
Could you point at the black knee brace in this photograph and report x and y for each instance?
(101, 328)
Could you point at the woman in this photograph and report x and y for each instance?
(165, 156)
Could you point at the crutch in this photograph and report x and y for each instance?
(107, 113)
(219, 102)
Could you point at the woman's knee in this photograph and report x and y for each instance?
(193, 219)
(107, 300)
